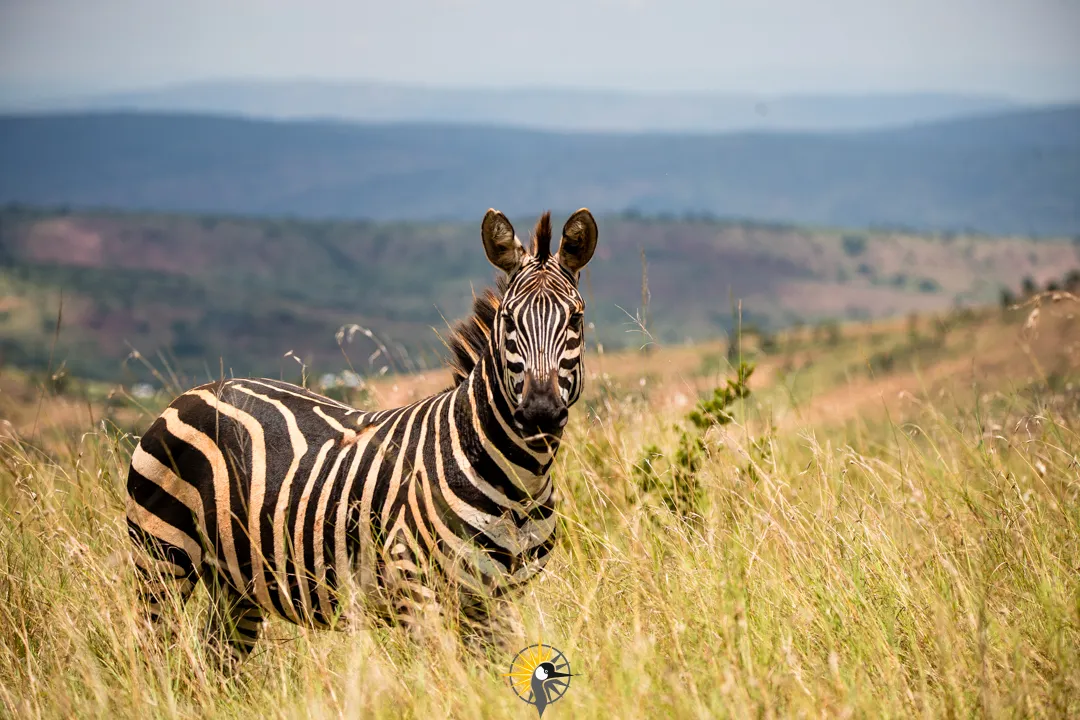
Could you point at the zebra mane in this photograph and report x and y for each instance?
(469, 338)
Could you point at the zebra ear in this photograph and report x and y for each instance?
(503, 248)
(578, 240)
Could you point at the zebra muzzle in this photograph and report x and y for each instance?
(542, 410)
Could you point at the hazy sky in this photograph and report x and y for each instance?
(1022, 48)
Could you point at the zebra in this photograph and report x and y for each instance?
(288, 503)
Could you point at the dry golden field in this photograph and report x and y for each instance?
(889, 527)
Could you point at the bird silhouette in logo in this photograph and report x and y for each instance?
(540, 675)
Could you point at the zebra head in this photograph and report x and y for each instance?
(538, 333)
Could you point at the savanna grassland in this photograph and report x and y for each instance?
(888, 525)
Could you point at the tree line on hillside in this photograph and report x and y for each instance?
(1069, 282)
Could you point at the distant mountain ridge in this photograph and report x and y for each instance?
(1012, 173)
(565, 110)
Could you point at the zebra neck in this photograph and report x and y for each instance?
(484, 419)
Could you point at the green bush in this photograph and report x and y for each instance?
(674, 480)
(854, 245)
(1008, 299)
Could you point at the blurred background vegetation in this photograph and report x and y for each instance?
(212, 294)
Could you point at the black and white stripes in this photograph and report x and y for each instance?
(285, 501)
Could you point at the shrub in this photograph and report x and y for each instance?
(1072, 281)
(674, 480)
(714, 411)
(854, 245)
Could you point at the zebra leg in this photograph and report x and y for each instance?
(491, 625)
(414, 604)
(162, 527)
(166, 572)
(233, 626)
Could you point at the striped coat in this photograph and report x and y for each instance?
(289, 503)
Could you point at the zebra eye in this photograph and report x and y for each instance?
(576, 318)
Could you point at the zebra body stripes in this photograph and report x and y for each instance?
(286, 502)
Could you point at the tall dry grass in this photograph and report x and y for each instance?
(925, 564)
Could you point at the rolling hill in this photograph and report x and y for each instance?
(1010, 173)
(215, 292)
(538, 108)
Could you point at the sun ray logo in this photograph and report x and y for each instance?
(540, 675)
